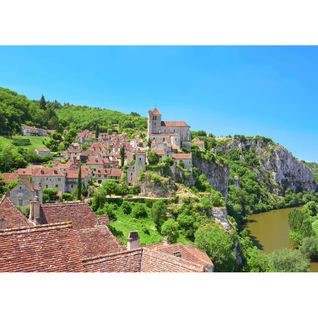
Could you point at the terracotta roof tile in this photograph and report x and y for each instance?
(187, 252)
(46, 248)
(127, 261)
(156, 111)
(80, 214)
(10, 216)
(174, 124)
(9, 177)
(180, 156)
(98, 241)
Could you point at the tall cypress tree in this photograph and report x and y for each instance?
(122, 155)
(42, 102)
(79, 182)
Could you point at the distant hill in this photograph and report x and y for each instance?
(16, 109)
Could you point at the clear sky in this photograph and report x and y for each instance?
(269, 91)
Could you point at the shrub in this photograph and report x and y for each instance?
(170, 229)
(218, 245)
(287, 260)
(126, 207)
(139, 211)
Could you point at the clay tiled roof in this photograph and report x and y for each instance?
(46, 248)
(127, 261)
(98, 241)
(174, 124)
(155, 261)
(10, 216)
(186, 252)
(115, 172)
(73, 173)
(160, 152)
(95, 161)
(80, 214)
(156, 111)
(9, 177)
(141, 260)
(182, 156)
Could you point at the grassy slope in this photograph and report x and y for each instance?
(126, 223)
(36, 141)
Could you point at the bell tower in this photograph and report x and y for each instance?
(154, 121)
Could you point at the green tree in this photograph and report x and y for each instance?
(153, 158)
(110, 187)
(309, 247)
(287, 260)
(218, 245)
(159, 213)
(50, 195)
(139, 211)
(42, 102)
(170, 228)
(122, 156)
(126, 207)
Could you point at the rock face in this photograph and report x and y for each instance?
(220, 216)
(282, 169)
(217, 175)
(166, 188)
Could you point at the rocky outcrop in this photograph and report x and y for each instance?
(217, 175)
(158, 187)
(220, 216)
(276, 164)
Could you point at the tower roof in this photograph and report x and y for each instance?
(156, 111)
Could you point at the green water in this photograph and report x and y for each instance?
(271, 230)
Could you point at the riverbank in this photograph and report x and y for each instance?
(271, 231)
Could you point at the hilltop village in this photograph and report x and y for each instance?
(69, 236)
(100, 158)
(95, 190)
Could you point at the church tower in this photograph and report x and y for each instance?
(154, 121)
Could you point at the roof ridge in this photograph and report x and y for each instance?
(37, 228)
(64, 203)
(101, 258)
(173, 259)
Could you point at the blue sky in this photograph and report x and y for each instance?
(269, 91)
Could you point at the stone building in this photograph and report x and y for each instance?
(173, 132)
(33, 131)
(24, 192)
(134, 169)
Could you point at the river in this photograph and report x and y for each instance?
(271, 230)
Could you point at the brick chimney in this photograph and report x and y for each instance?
(34, 209)
(133, 241)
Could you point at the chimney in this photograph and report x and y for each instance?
(133, 241)
(34, 209)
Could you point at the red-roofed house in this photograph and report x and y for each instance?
(46, 248)
(10, 216)
(185, 158)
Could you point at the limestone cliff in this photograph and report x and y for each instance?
(274, 164)
(217, 174)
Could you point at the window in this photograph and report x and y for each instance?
(46, 186)
(56, 186)
(20, 202)
(58, 179)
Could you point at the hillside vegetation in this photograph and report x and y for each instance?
(16, 109)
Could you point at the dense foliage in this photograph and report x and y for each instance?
(16, 109)
(218, 245)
